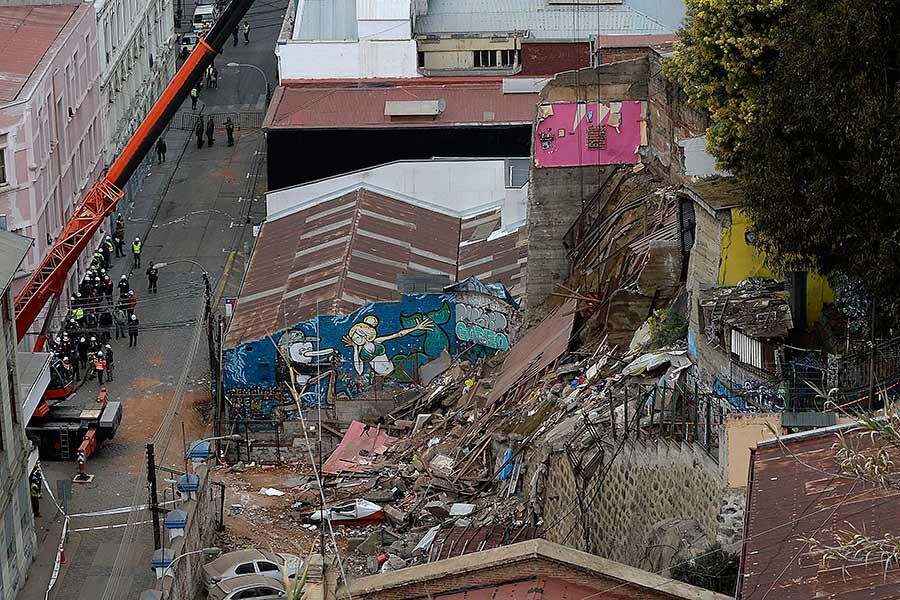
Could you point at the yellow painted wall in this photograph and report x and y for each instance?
(740, 260)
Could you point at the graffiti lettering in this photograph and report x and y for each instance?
(479, 335)
(483, 317)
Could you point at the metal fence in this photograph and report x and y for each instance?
(241, 119)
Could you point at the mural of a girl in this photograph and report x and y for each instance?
(368, 347)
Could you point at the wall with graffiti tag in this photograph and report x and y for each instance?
(381, 346)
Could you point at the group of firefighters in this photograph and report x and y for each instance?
(83, 344)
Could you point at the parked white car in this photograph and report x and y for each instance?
(248, 586)
(250, 562)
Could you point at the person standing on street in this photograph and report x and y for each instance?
(132, 302)
(152, 277)
(109, 362)
(234, 36)
(99, 366)
(36, 496)
(121, 320)
(133, 325)
(229, 131)
(214, 77)
(246, 32)
(199, 132)
(161, 150)
(195, 95)
(136, 248)
(210, 130)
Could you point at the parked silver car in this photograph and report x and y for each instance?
(248, 586)
(250, 562)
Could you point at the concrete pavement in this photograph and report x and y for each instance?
(195, 207)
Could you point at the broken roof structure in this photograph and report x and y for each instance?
(529, 570)
(757, 307)
(796, 491)
(334, 245)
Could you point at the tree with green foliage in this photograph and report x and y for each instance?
(716, 570)
(804, 98)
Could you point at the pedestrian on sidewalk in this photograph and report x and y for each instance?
(99, 366)
(234, 36)
(210, 131)
(229, 131)
(124, 286)
(121, 320)
(213, 77)
(246, 32)
(199, 132)
(136, 248)
(195, 95)
(119, 244)
(82, 352)
(133, 325)
(161, 150)
(152, 277)
(36, 496)
(109, 362)
(132, 303)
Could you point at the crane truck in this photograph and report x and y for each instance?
(63, 422)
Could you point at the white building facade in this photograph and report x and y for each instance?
(347, 39)
(137, 60)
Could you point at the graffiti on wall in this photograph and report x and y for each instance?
(341, 357)
(485, 321)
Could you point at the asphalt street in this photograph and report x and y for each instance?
(194, 207)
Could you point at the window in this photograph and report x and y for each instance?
(266, 567)
(258, 592)
(244, 569)
(752, 352)
(420, 60)
(509, 58)
(13, 394)
(485, 58)
(2, 166)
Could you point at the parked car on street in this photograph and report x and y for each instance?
(248, 586)
(250, 562)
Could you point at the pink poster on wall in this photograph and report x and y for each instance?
(571, 135)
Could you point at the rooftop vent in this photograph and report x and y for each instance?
(412, 108)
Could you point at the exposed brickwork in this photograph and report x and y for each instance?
(549, 58)
(611, 55)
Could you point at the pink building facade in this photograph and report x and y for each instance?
(51, 138)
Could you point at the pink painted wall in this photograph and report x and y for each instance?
(561, 139)
(52, 158)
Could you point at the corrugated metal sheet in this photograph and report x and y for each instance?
(26, 34)
(797, 493)
(343, 106)
(544, 21)
(493, 258)
(349, 251)
(534, 352)
(378, 10)
(327, 20)
(458, 541)
(360, 449)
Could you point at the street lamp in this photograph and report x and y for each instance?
(209, 552)
(261, 72)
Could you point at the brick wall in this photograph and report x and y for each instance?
(612, 55)
(549, 58)
(650, 481)
(535, 568)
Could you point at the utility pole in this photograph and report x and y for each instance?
(154, 500)
(872, 356)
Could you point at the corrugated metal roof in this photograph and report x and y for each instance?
(491, 257)
(457, 541)
(351, 106)
(327, 20)
(13, 249)
(545, 21)
(376, 10)
(796, 492)
(26, 34)
(346, 252)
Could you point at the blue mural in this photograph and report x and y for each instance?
(385, 340)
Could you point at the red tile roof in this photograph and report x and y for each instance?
(26, 33)
(351, 105)
(797, 492)
(345, 252)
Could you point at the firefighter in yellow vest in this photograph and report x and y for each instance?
(136, 248)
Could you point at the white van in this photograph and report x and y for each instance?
(204, 16)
